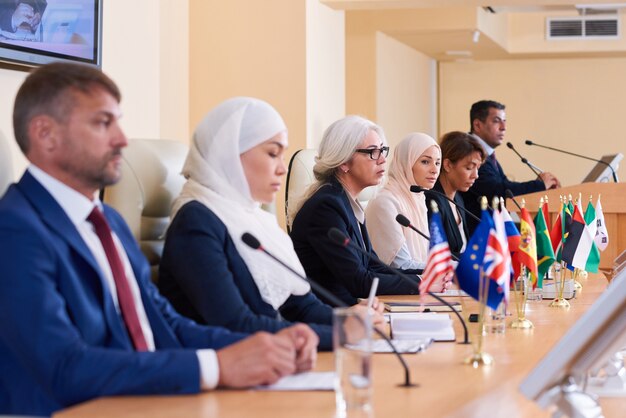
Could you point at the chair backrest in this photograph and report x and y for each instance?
(150, 182)
(300, 176)
(6, 165)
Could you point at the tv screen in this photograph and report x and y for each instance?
(36, 32)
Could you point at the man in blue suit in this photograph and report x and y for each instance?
(488, 126)
(79, 317)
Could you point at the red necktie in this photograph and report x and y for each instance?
(124, 294)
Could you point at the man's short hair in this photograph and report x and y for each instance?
(480, 111)
(49, 89)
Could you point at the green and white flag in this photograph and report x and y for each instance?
(590, 218)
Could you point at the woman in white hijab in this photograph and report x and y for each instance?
(416, 161)
(208, 273)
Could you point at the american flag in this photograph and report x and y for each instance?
(439, 262)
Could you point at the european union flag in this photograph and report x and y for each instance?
(472, 263)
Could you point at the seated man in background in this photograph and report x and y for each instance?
(488, 125)
(80, 318)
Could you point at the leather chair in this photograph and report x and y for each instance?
(300, 176)
(150, 182)
(6, 165)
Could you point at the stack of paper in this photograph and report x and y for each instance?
(421, 307)
(411, 326)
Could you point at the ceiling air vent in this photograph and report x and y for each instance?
(583, 28)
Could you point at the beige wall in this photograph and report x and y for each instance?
(234, 52)
(146, 58)
(406, 98)
(325, 69)
(292, 57)
(576, 104)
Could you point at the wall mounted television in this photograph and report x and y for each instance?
(36, 32)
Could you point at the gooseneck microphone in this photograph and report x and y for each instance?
(342, 240)
(510, 195)
(405, 222)
(533, 167)
(251, 241)
(419, 189)
(528, 142)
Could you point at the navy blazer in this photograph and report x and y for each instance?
(344, 271)
(206, 279)
(455, 239)
(492, 182)
(62, 340)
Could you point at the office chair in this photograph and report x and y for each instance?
(300, 176)
(150, 182)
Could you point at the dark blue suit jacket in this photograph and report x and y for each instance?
(492, 182)
(205, 278)
(344, 271)
(61, 339)
(455, 239)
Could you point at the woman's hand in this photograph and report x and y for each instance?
(377, 310)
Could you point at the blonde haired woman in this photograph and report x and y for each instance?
(351, 157)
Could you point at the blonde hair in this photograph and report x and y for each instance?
(339, 143)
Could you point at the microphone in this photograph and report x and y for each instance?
(404, 221)
(251, 241)
(536, 170)
(509, 194)
(342, 240)
(419, 189)
(528, 142)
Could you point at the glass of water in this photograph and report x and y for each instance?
(352, 341)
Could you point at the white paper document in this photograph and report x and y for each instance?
(402, 346)
(412, 326)
(303, 382)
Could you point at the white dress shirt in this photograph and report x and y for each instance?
(78, 207)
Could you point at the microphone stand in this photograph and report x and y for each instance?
(534, 169)
(510, 195)
(418, 189)
(340, 239)
(404, 221)
(528, 142)
(255, 244)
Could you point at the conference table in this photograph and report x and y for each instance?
(446, 386)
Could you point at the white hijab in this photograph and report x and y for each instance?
(386, 234)
(215, 178)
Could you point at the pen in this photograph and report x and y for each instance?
(370, 299)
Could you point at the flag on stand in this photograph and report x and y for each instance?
(545, 254)
(512, 234)
(546, 210)
(439, 262)
(580, 250)
(527, 254)
(590, 218)
(570, 205)
(556, 234)
(471, 265)
(497, 256)
(602, 235)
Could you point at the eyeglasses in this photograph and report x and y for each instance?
(374, 153)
